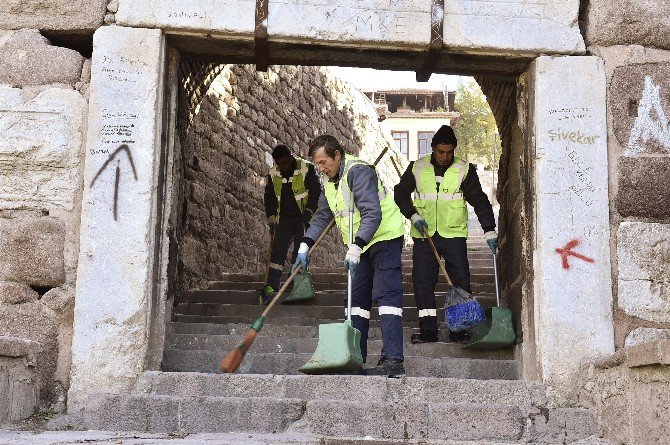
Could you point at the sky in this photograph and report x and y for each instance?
(371, 79)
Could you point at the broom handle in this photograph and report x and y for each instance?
(437, 256)
(267, 258)
(495, 274)
(351, 241)
(297, 269)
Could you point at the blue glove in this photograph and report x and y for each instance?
(302, 259)
(353, 258)
(419, 223)
(492, 240)
(307, 217)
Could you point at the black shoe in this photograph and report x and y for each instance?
(459, 337)
(424, 337)
(390, 367)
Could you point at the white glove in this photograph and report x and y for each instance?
(353, 257)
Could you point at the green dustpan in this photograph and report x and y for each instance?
(303, 289)
(495, 332)
(338, 350)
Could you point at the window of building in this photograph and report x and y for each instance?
(401, 139)
(425, 138)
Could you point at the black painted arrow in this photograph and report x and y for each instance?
(123, 148)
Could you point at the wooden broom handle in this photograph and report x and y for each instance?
(437, 256)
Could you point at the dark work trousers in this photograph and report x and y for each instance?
(425, 272)
(378, 277)
(289, 228)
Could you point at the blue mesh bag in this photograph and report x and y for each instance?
(462, 311)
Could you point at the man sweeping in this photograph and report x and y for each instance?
(442, 183)
(292, 193)
(374, 258)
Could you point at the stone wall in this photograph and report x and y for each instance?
(639, 167)
(43, 105)
(239, 119)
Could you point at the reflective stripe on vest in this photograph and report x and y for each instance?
(440, 200)
(297, 182)
(340, 203)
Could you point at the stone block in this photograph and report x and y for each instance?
(16, 293)
(41, 147)
(643, 187)
(399, 420)
(73, 16)
(112, 412)
(32, 251)
(650, 405)
(572, 216)
(229, 16)
(654, 353)
(530, 27)
(646, 335)
(562, 425)
(639, 100)
(475, 422)
(644, 268)
(19, 347)
(29, 59)
(117, 234)
(262, 415)
(628, 22)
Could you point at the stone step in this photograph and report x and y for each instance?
(267, 344)
(441, 286)
(359, 388)
(251, 311)
(178, 360)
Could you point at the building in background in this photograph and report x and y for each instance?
(411, 116)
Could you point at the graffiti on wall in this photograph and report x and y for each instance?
(122, 149)
(651, 122)
(567, 251)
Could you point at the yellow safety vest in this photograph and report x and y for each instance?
(445, 210)
(340, 201)
(297, 183)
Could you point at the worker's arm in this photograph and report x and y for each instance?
(269, 198)
(363, 182)
(402, 192)
(322, 218)
(313, 187)
(475, 196)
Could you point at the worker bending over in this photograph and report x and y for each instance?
(374, 258)
(442, 184)
(292, 193)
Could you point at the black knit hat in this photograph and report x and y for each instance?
(445, 135)
(280, 151)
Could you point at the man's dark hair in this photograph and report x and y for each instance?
(328, 143)
(280, 151)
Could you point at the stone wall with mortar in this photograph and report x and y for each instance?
(226, 153)
(43, 106)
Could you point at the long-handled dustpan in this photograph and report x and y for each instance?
(303, 289)
(496, 331)
(339, 347)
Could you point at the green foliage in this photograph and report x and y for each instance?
(476, 129)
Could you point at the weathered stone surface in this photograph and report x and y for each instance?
(644, 270)
(16, 293)
(117, 223)
(61, 302)
(475, 422)
(646, 354)
(572, 296)
(562, 425)
(640, 101)
(530, 27)
(29, 59)
(646, 335)
(19, 347)
(56, 15)
(32, 251)
(628, 22)
(643, 187)
(40, 148)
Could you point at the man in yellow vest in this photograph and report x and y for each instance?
(442, 184)
(292, 192)
(374, 258)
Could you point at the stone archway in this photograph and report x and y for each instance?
(556, 171)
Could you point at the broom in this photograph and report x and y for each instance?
(232, 361)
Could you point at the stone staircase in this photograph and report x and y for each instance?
(450, 393)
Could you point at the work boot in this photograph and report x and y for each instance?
(459, 337)
(390, 367)
(424, 337)
(266, 295)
